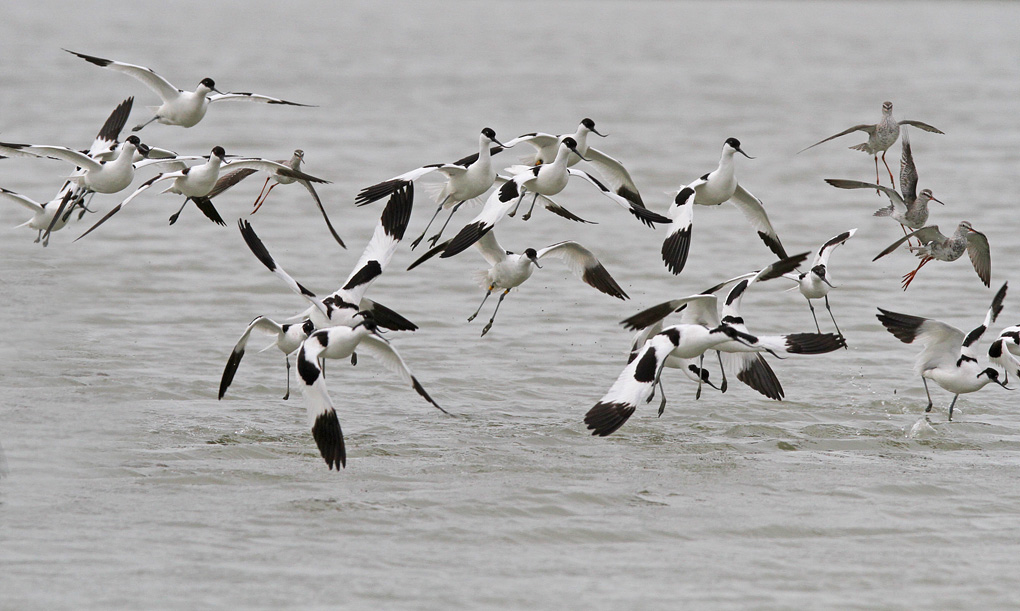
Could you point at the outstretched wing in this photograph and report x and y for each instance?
(908, 171)
(252, 97)
(585, 266)
(643, 214)
(234, 360)
(262, 253)
(922, 126)
(754, 211)
(870, 129)
(924, 234)
(894, 197)
(941, 343)
(615, 174)
(980, 255)
(382, 351)
(162, 87)
(677, 244)
(822, 258)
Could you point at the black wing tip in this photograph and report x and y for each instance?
(903, 326)
(92, 59)
(598, 277)
(429, 254)
(648, 317)
(761, 377)
(774, 245)
(330, 439)
(397, 212)
(465, 238)
(389, 319)
(255, 244)
(675, 249)
(228, 372)
(418, 388)
(814, 343)
(605, 418)
(378, 191)
(648, 217)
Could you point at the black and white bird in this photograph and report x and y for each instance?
(105, 173)
(508, 270)
(288, 339)
(948, 356)
(179, 107)
(713, 189)
(742, 357)
(935, 246)
(1005, 351)
(466, 180)
(881, 136)
(230, 179)
(343, 306)
(636, 383)
(339, 343)
(196, 182)
(612, 171)
(817, 281)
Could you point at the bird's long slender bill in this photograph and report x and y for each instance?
(741, 151)
(580, 155)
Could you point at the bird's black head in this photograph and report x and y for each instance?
(570, 143)
(590, 126)
(208, 82)
(532, 254)
(219, 152)
(734, 144)
(307, 327)
(993, 375)
(489, 133)
(133, 140)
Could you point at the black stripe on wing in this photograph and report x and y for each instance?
(605, 418)
(675, 249)
(368, 272)
(330, 439)
(397, 213)
(99, 61)
(648, 217)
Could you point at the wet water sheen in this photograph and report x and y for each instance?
(128, 485)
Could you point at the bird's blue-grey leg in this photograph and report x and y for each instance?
(531, 209)
(487, 293)
(662, 389)
(139, 127)
(435, 238)
(174, 216)
(833, 319)
(951, 406)
(701, 365)
(662, 401)
(810, 305)
(286, 359)
(517, 205)
(722, 386)
(418, 240)
(927, 409)
(491, 320)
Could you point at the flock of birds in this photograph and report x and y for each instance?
(346, 323)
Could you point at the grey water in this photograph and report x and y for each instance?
(126, 484)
